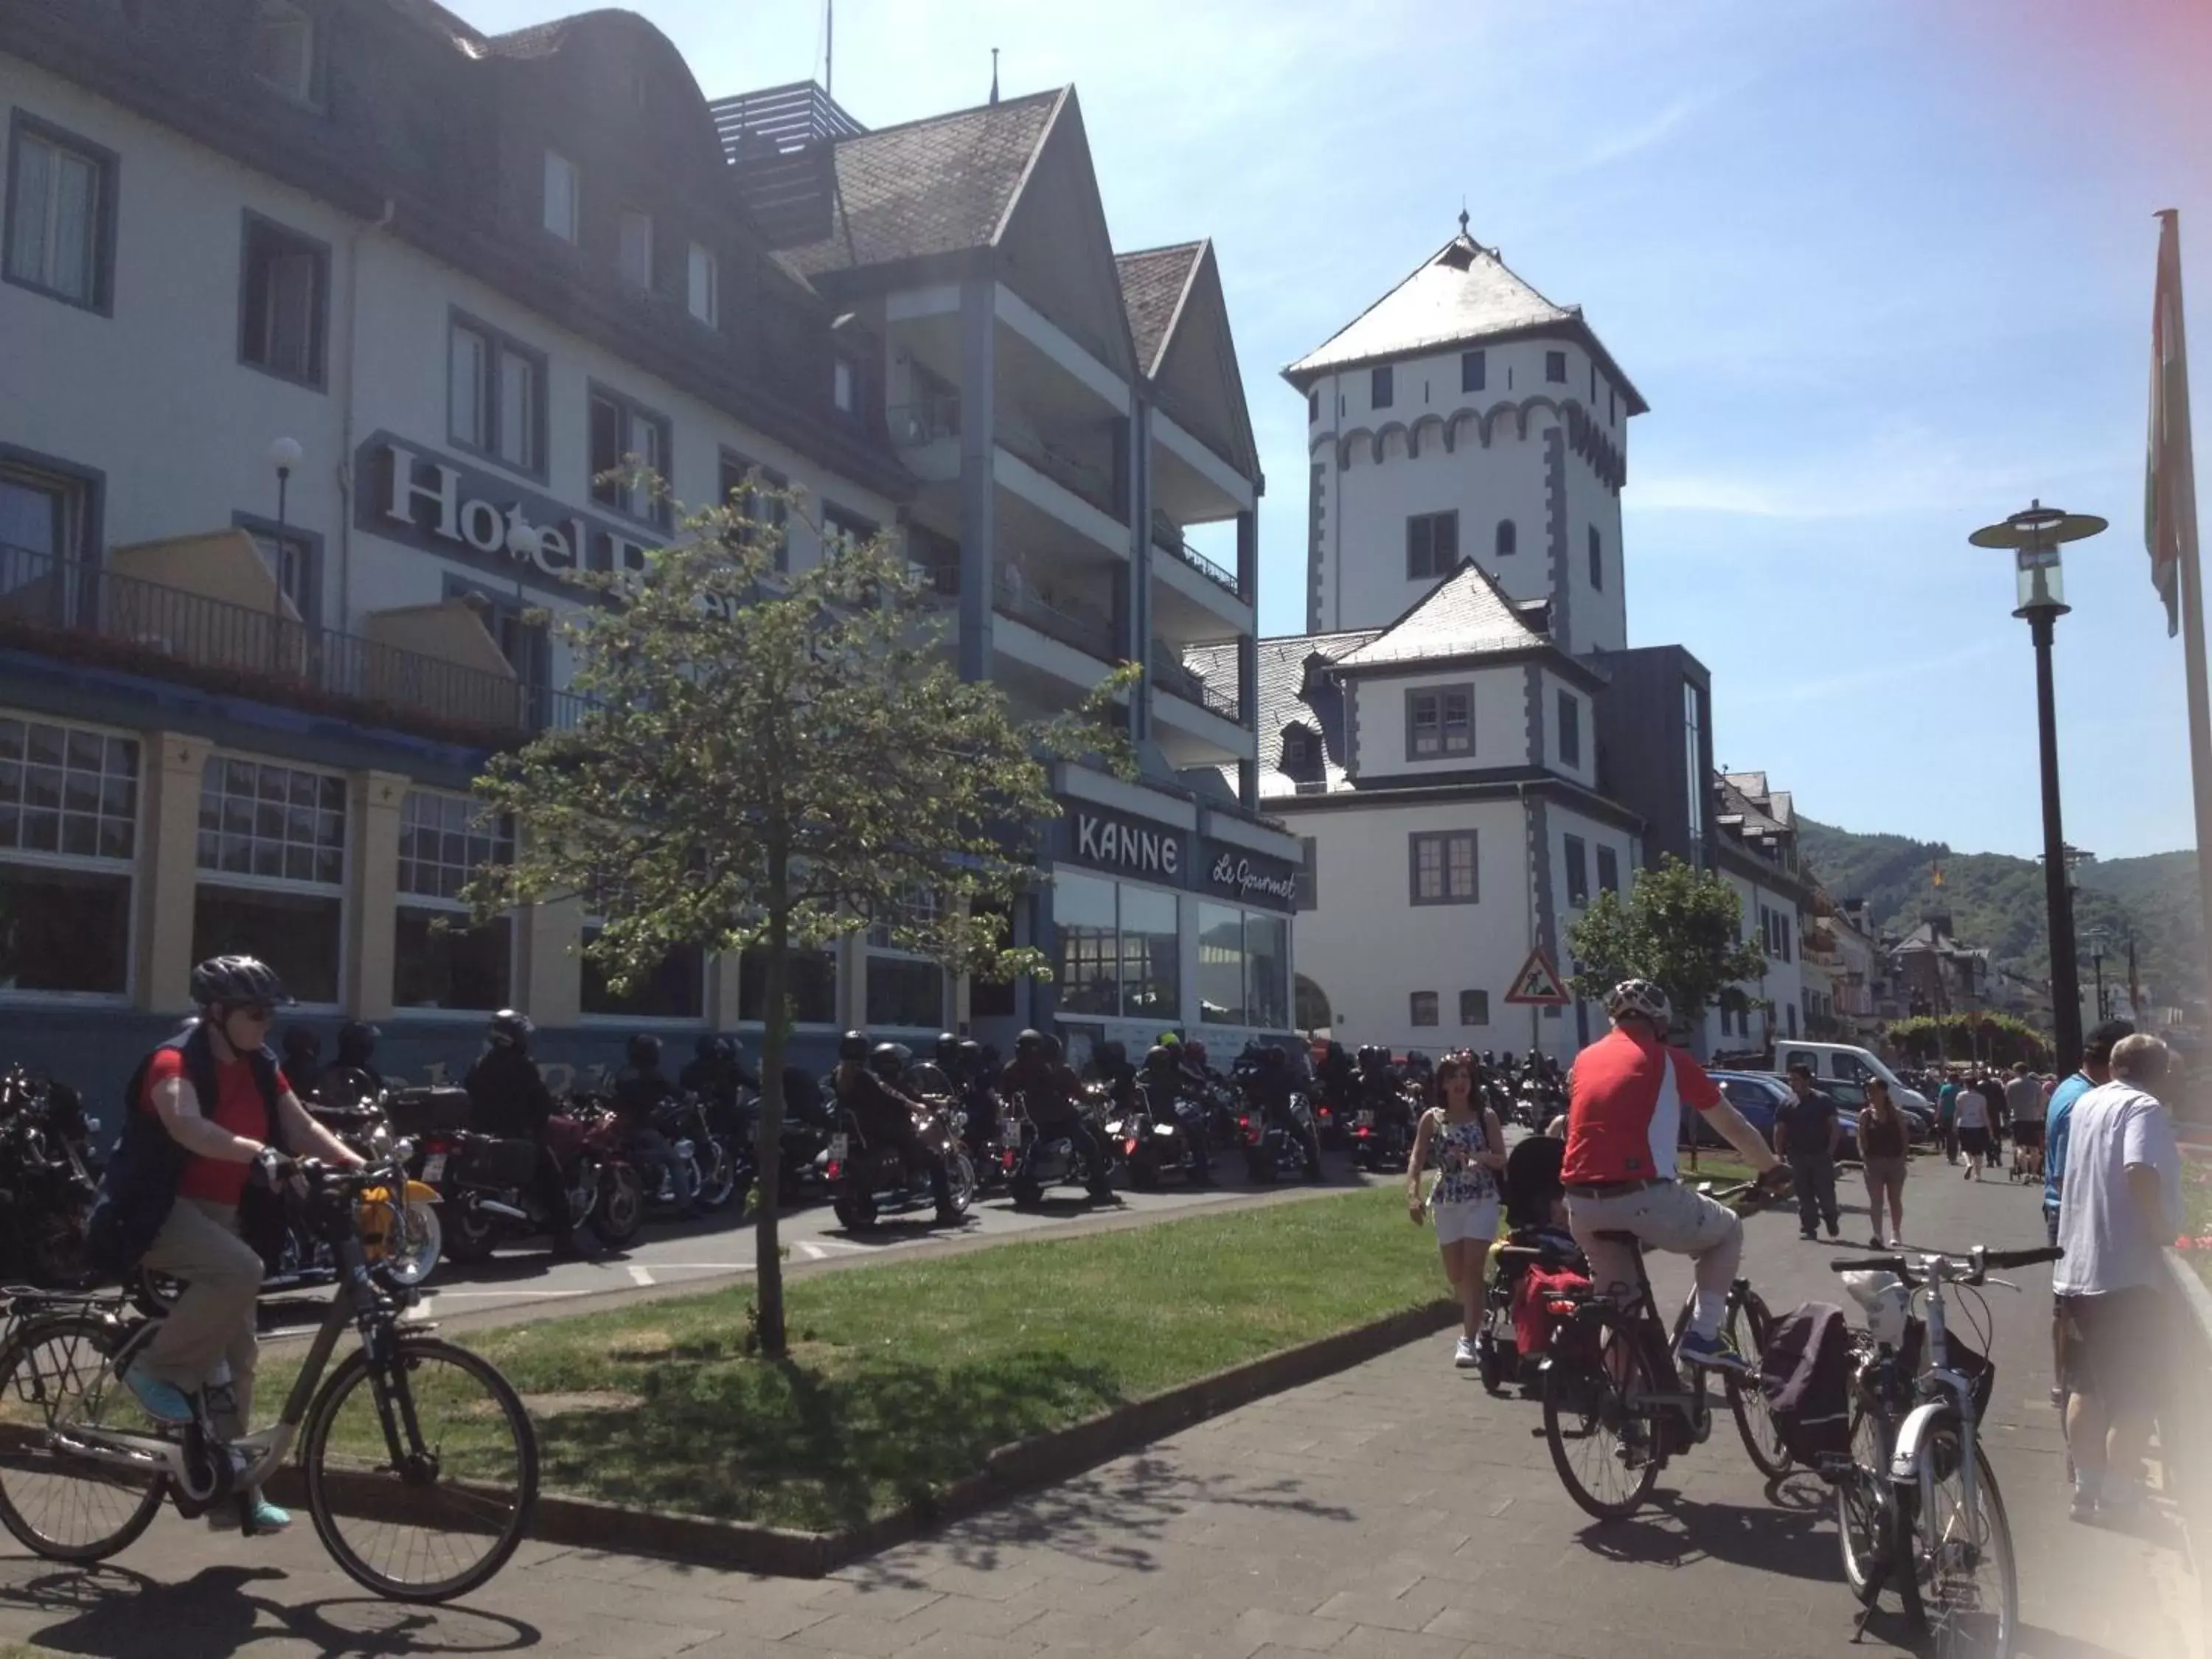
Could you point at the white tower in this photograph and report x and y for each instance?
(1465, 415)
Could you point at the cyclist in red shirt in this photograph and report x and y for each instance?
(1624, 1119)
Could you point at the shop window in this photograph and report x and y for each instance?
(905, 991)
(439, 960)
(810, 986)
(271, 854)
(675, 989)
(68, 815)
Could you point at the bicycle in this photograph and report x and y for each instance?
(1614, 1394)
(1916, 1510)
(418, 1460)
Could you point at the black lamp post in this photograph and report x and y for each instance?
(2098, 939)
(2035, 538)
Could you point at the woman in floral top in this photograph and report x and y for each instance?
(1467, 1143)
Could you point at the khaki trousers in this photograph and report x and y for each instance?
(213, 1319)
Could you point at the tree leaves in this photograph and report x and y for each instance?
(1679, 928)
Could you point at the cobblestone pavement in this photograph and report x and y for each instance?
(1393, 1509)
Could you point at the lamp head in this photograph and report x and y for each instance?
(285, 454)
(2035, 538)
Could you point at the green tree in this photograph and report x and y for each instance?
(769, 762)
(2000, 1039)
(1679, 928)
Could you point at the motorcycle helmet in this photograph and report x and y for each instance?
(1640, 997)
(238, 982)
(510, 1029)
(357, 1042)
(971, 1053)
(1028, 1043)
(708, 1047)
(302, 1047)
(1050, 1049)
(947, 1048)
(853, 1045)
(1110, 1056)
(645, 1051)
(1159, 1058)
(1372, 1058)
(1418, 1064)
(1273, 1060)
(888, 1060)
(1194, 1054)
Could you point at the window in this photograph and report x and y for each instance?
(283, 302)
(755, 488)
(844, 385)
(625, 434)
(1570, 729)
(810, 986)
(1382, 388)
(1440, 721)
(675, 989)
(1555, 367)
(1608, 870)
(1577, 871)
(1696, 781)
(703, 288)
(1474, 1008)
(1221, 965)
(1596, 559)
(633, 257)
(61, 217)
(1593, 369)
(1424, 1011)
(1612, 407)
(438, 961)
(1431, 546)
(905, 991)
(283, 49)
(69, 831)
(291, 556)
(844, 530)
(1297, 750)
(272, 856)
(1151, 955)
(495, 396)
(1791, 1010)
(1473, 371)
(1444, 867)
(46, 519)
(1120, 949)
(1308, 880)
(1313, 404)
(563, 196)
(1506, 538)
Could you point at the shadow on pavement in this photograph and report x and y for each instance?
(115, 1613)
(1790, 1539)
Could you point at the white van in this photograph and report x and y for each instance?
(1848, 1063)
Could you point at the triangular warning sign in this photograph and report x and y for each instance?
(1537, 982)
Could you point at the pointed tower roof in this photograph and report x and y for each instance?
(1462, 294)
(1465, 615)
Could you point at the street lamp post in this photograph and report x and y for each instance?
(284, 455)
(2097, 940)
(2035, 538)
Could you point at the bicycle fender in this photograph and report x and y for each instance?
(1904, 1459)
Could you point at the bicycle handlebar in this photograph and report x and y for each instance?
(1979, 1260)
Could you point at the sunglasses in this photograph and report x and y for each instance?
(260, 1012)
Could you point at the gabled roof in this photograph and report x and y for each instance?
(1465, 615)
(1281, 678)
(1460, 295)
(943, 185)
(1154, 283)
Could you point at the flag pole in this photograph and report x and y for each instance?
(2191, 597)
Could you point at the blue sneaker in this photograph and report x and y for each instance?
(266, 1517)
(1709, 1353)
(164, 1401)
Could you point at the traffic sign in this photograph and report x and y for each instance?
(1537, 982)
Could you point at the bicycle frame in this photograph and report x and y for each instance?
(1943, 1392)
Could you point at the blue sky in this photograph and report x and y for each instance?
(1882, 269)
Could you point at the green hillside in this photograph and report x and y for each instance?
(1996, 899)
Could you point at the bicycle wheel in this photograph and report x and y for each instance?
(1745, 1331)
(442, 1517)
(1954, 1569)
(1863, 1499)
(1603, 1437)
(60, 1504)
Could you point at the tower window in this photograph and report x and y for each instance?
(1507, 539)
(1313, 404)
(1593, 385)
(1431, 546)
(1555, 367)
(1473, 371)
(1570, 730)
(1596, 559)
(1382, 387)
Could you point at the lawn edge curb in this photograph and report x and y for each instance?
(1008, 1471)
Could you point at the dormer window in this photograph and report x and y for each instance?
(844, 386)
(283, 48)
(1300, 752)
(636, 251)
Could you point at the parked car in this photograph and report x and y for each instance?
(1755, 1094)
(1850, 1096)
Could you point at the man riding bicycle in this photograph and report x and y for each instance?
(1628, 1090)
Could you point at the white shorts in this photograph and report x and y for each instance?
(1477, 1220)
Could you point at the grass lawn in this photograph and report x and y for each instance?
(903, 1376)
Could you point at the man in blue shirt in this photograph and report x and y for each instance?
(2057, 1125)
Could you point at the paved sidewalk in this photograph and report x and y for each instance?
(1393, 1509)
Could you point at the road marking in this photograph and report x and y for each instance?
(427, 1307)
(503, 1293)
(808, 1248)
(640, 1277)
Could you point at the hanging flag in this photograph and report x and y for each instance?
(2169, 497)
(1935, 875)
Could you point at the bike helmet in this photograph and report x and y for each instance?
(645, 1051)
(1029, 1042)
(510, 1029)
(356, 1042)
(853, 1045)
(238, 982)
(888, 1060)
(1640, 997)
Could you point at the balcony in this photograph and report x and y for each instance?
(932, 420)
(1088, 631)
(1172, 675)
(113, 620)
(1168, 538)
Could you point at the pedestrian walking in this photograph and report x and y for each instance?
(2057, 1125)
(2120, 1202)
(1882, 1153)
(1946, 1118)
(1973, 1110)
(1993, 1091)
(1808, 1129)
(2025, 1101)
(1463, 1137)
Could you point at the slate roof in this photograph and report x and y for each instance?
(942, 184)
(1463, 294)
(1153, 282)
(1465, 615)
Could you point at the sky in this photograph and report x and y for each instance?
(1882, 269)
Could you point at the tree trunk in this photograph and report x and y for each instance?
(767, 1254)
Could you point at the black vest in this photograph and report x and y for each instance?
(139, 1186)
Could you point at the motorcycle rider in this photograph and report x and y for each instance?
(1048, 1089)
(208, 1110)
(716, 1071)
(1161, 1084)
(1271, 1084)
(886, 1115)
(354, 1076)
(509, 1099)
(641, 1089)
(303, 1062)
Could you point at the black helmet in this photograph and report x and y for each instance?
(947, 1049)
(970, 1051)
(1417, 1063)
(645, 1051)
(1051, 1050)
(888, 1060)
(708, 1046)
(302, 1046)
(1272, 1059)
(356, 1042)
(1029, 1042)
(1159, 1058)
(1111, 1055)
(510, 1029)
(238, 982)
(853, 1045)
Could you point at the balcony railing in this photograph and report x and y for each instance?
(1095, 484)
(1170, 674)
(1168, 538)
(924, 422)
(102, 616)
(1089, 632)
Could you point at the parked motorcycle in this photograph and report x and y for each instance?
(1381, 1139)
(1278, 1150)
(868, 1177)
(1154, 1144)
(1051, 1157)
(710, 1154)
(486, 1181)
(46, 1180)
